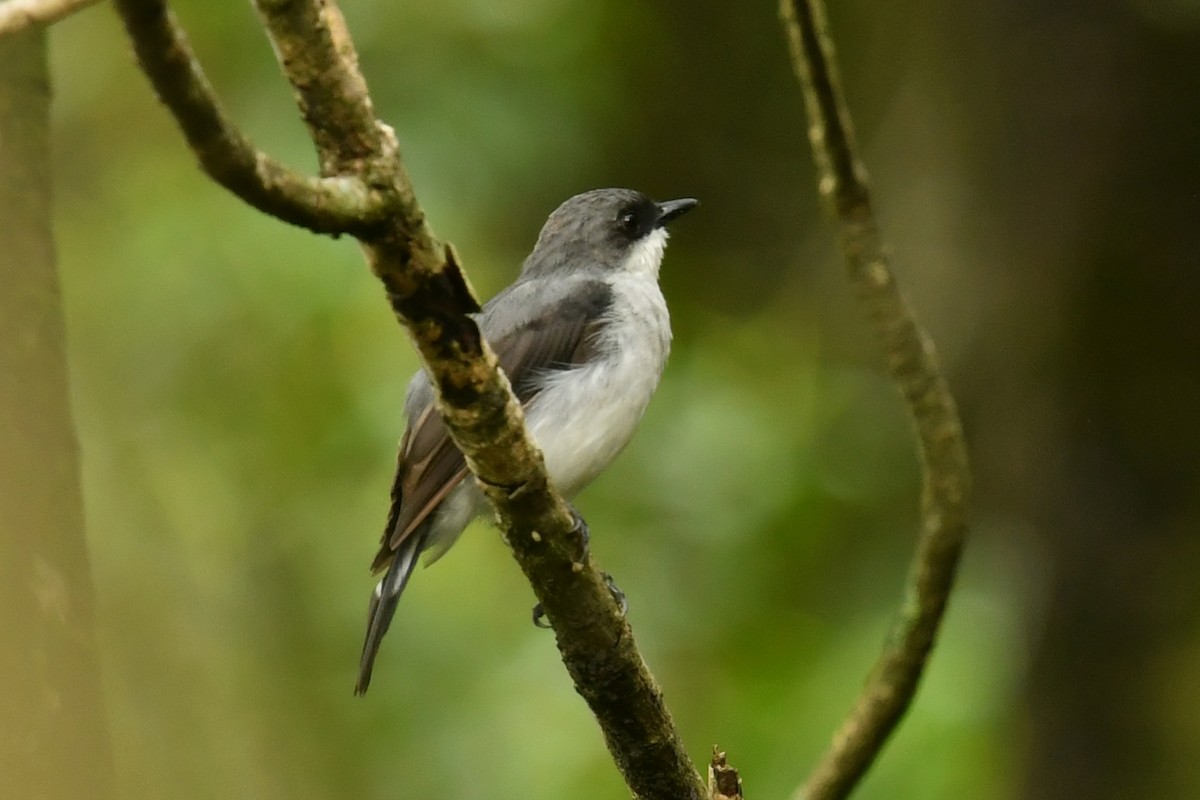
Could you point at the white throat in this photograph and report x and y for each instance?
(646, 255)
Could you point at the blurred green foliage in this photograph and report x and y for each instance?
(238, 387)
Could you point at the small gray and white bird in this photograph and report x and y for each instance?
(583, 335)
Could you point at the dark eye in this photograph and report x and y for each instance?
(635, 218)
(629, 223)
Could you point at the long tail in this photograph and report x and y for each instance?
(383, 606)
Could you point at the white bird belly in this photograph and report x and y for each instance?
(583, 417)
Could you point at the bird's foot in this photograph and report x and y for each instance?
(617, 594)
(539, 612)
(580, 528)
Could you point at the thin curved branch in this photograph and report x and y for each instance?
(431, 297)
(912, 363)
(17, 15)
(335, 204)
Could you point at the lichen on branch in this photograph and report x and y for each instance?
(365, 190)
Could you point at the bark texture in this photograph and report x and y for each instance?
(432, 299)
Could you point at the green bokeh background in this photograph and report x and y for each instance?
(237, 386)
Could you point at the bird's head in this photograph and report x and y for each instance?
(605, 230)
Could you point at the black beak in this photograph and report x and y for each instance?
(671, 209)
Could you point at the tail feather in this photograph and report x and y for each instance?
(383, 606)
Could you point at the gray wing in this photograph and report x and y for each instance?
(559, 334)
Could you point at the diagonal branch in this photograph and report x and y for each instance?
(335, 204)
(430, 296)
(17, 15)
(912, 363)
(432, 299)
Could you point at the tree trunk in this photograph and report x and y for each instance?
(53, 735)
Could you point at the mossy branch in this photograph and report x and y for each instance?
(364, 190)
(912, 363)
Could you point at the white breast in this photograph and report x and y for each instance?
(585, 416)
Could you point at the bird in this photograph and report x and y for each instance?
(583, 335)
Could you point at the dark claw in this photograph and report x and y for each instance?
(580, 528)
(617, 594)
